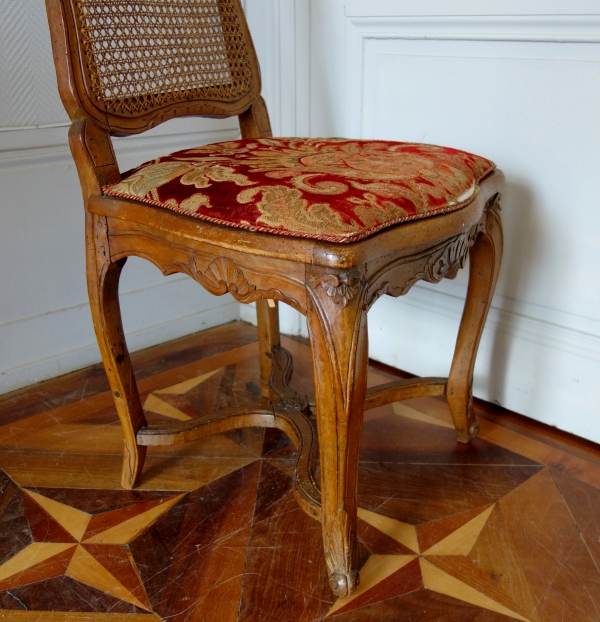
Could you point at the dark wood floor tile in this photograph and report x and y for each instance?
(583, 500)
(405, 580)
(392, 438)
(274, 489)
(14, 527)
(418, 494)
(421, 606)
(250, 439)
(66, 594)
(431, 533)
(277, 444)
(91, 381)
(283, 464)
(43, 527)
(47, 569)
(213, 394)
(194, 557)
(286, 577)
(379, 543)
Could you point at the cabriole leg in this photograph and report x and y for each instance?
(103, 288)
(337, 326)
(485, 257)
(268, 337)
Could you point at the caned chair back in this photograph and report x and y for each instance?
(132, 64)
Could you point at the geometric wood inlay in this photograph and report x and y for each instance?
(401, 532)
(462, 540)
(439, 581)
(95, 561)
(501, 540)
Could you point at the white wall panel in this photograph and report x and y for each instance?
(518, 82)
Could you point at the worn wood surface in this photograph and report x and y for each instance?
(502, 528)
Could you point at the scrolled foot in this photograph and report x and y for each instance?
(474, 429)
(133, 462)
(466, 436)
(343, 585)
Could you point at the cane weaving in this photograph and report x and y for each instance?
(147, 54)
(329, 189)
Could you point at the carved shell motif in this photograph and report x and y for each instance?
(221, 276)
(342, 288)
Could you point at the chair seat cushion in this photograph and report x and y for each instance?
(336, 190)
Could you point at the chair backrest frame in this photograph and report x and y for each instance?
(82, 99)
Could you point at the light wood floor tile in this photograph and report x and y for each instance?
(439, 581)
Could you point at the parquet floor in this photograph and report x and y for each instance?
(507, 528)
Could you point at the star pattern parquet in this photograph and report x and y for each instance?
(503, 529)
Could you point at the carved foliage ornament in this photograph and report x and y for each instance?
(493, 205)
(446, 262)
(343, 288)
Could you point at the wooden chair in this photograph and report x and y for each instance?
(398, 214)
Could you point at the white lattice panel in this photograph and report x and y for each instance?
(28, 92)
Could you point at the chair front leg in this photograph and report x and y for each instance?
(485, 257)
(103, 288)
(337, 326)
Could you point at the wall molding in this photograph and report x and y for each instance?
(283, 50)
(58, 351)
(363, 29)
(535, 28)
(519, 322)
(390, 8)
(59, 156)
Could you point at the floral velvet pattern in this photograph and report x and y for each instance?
(336, 190)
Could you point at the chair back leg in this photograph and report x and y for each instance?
(103, 287)
(267, 314)
(485, 257)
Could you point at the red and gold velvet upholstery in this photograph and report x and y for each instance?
(328, 189)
